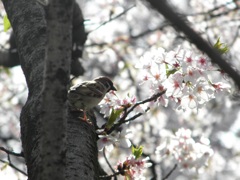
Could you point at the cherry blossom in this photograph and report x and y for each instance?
(117, 137)
(133, 168)
(124, 137)
(111, 101)
(187, 153)
(184, 75)
(106, 141)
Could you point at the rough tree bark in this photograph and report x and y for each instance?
(54, 93)
(52, 148)
(9, 57)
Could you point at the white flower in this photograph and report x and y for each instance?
(133, 168)
(106, 105)
(221, 87)
(203, 63)
(106, 141)
(189, 100)
(174, 85)
(188, 153)
(192, 75)
(183, 75)
(145, 62)
(124, 137)
(203, 92)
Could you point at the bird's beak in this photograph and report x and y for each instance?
(113, 88)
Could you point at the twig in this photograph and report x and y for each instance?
(14, 167)
(108, 163)
(132, 37)
(9, 159)
(109, 176)
(154, 173)
(122, 119)
(211, 10)
(153, 98)
(170, 172)
(111, 19)
(11, 152)
(136, 116)
(148, 31)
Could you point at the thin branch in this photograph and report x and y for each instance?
(211, 10)
(135, 116)
(148, 31)
(11, 152)
(131, 37)
(109, 176)
(14, 167)
(154, 173)
(9, 159)
(223, 13)
(113, 18)
(108, 163)
(153, 98)
(122, 119)
(170, 172)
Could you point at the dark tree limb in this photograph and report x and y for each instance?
(162, 7)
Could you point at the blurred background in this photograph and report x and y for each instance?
(119, 33)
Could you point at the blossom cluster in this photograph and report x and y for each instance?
(133, 168)
(183, 75)
(185, 79)
(108, 141)
(187, 153)
(111, 101)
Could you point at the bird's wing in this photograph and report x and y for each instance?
(90, 88)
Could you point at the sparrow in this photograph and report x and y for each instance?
(88, 94)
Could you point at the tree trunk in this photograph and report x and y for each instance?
(53, 118)
(56, 144)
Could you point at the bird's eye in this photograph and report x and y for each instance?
(108, 85)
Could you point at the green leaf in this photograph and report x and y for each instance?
(4, 166)
(172, 71)
(169, 72)
(5, 70)
(137, 151)
(127, 177)
(6, 23)
(221, 47)
(113, 116)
